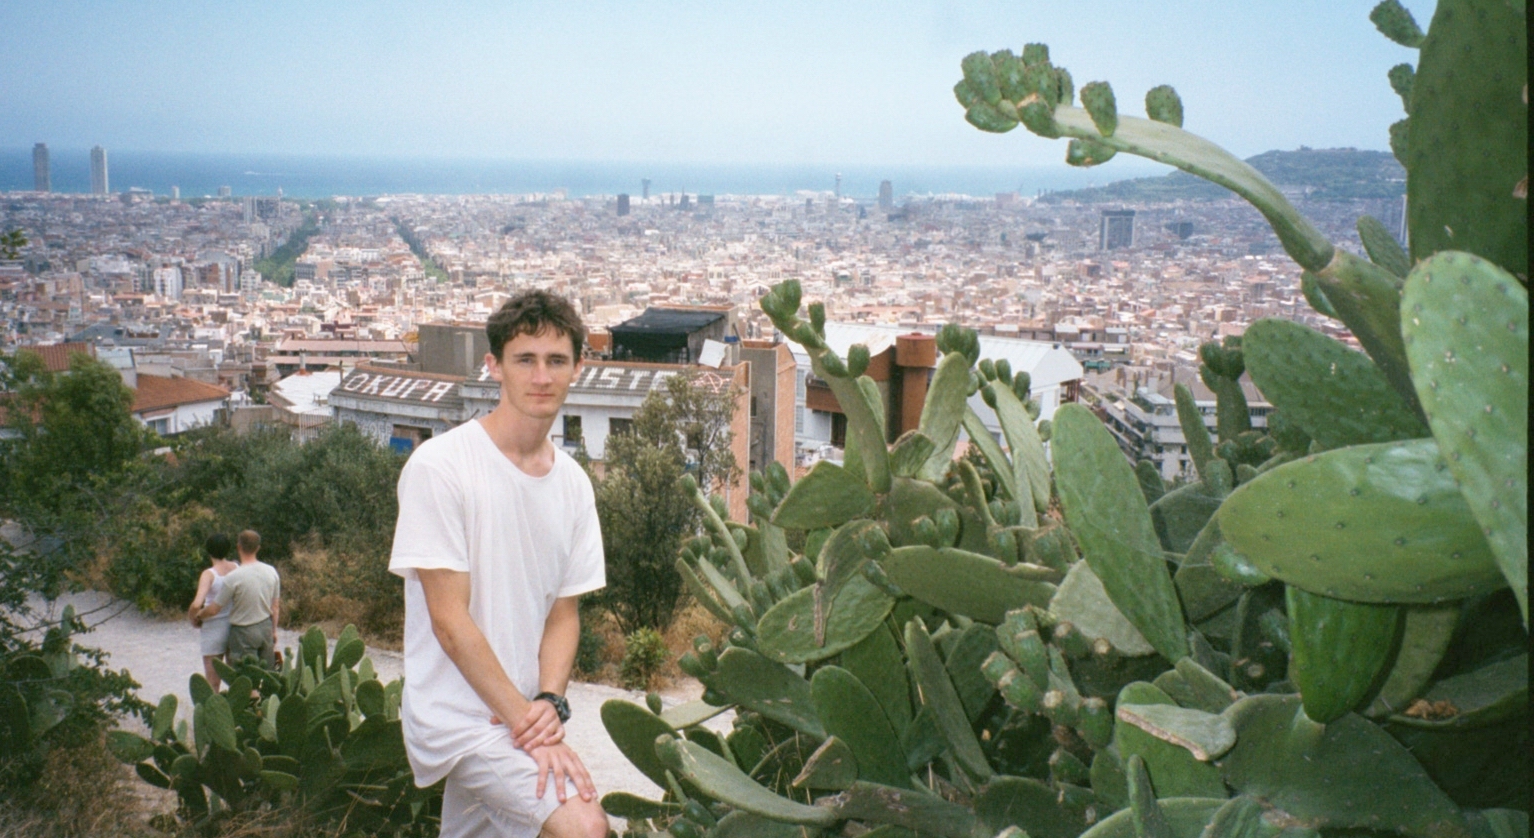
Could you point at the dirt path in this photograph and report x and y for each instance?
(163, 654)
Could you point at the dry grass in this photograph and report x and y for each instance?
(83, 791)
(691, 620)
(322, 589)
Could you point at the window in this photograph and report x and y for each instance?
(572, 431)
(839, 430)
(616, 427)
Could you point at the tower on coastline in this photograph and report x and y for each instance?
(99, 183)
(42, 180)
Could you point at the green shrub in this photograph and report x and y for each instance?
(588, 651)
(644, 653)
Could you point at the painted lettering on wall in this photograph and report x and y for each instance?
(400, 387)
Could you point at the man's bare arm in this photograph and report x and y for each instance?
(447, 601)
(561, 638)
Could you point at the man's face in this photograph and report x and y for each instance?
(535, 373)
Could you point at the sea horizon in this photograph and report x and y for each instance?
(313, 176)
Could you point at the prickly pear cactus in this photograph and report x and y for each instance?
(1345, 551)
(324, 733)
(1317, 635)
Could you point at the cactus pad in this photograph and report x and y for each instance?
(1382, 247)
(1466, 323)
(1173, 769)
(939, 696)
(943, 412)
(976, 586)
(851, 713)
(720, 779)
(826, 497)
(1425, 634)
(1468, 136)
(786, 632)
(1082, 601)
(1336, 395)
(1371, 523)
(1339, 650)
(1106, 511)
(1333, 775)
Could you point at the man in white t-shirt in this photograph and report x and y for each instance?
(497, 538)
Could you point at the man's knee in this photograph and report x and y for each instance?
(577, 818)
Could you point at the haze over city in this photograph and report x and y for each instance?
(782, 82)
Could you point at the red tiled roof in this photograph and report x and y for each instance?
(56, 356)
(157, 391)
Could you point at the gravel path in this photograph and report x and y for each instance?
(162, 655)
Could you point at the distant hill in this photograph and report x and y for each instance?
(1330, 174)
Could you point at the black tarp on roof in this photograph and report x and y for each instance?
(659, 332)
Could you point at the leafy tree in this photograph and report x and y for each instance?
(11, 243)
(644, 515)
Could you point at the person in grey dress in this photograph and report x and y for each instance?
(215, 629)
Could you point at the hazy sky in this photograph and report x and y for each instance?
(775, 82)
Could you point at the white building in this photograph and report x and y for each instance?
(168, 282)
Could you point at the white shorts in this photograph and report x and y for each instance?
(492, 793)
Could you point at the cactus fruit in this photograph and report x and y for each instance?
(1371, 523)
(1162, 104)
(1097, 98)
(1397, 24)
(1466, 324)
(1402, 77)
(1105, 510)
(1336, 395)
(1086, 153)
(857, 359)
(1339, 650)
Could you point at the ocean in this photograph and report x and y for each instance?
(318, 176)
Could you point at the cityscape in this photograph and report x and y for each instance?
(161, 286)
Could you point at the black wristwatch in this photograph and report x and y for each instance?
(561, 706)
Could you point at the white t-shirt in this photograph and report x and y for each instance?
(524, 541)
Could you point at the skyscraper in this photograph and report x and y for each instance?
(99, 183)
(645, 182)
(886, 195)
(1118, 230)
(623, 203)
(41, 178)
(838, 184)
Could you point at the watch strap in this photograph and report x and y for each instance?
(561, 706)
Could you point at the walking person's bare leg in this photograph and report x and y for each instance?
(209, 672)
